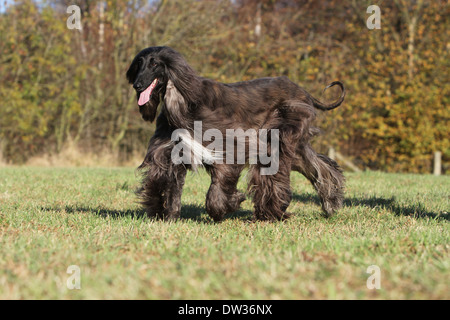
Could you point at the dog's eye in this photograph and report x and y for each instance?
(154, 64)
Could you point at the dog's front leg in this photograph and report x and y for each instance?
(171, 195)
(223, 196)
(163, 180)
(161, 191)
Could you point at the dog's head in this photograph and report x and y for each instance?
(150, 73)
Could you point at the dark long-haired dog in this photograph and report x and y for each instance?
(161, 76)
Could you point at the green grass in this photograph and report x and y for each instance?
(53, 218)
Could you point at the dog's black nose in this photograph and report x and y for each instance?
(137, 86)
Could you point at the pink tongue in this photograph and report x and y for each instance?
(145, 95)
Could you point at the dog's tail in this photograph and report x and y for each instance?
(322, 106)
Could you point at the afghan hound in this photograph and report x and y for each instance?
(280, 113)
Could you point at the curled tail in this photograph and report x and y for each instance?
(322, 106)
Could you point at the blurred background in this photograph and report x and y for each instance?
(64, 98)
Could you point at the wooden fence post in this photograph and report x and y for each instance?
(332, 153)
(437, 163)
(1, 152)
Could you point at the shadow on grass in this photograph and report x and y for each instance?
(415, 210)
(188, 212)
(103, 212)
(198, 213)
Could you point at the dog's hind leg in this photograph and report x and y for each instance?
(324, 174)
(223, 196)
(271, 193)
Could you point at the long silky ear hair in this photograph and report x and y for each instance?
(133, 70)
(175, 107)
(182, 75)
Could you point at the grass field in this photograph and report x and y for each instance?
(52, 218)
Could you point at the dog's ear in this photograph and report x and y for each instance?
(180, 73)
(133, 71)
(181, 78)
(175, 106)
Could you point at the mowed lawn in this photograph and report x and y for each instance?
(53, 218)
